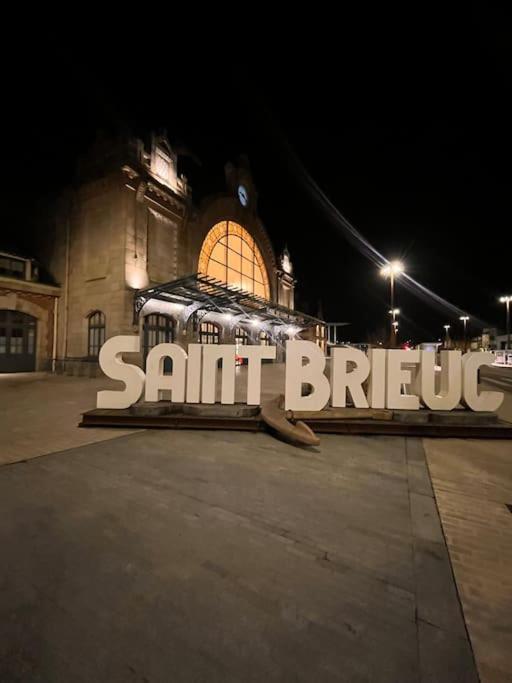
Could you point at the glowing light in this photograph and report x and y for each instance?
(505, 299)
(394, 311)
(465, 318)
(393, 268)
(136, 278)
(286, 264)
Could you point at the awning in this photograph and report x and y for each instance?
(201, 292)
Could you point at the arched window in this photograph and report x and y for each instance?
(157, 329)
(241, 336)
(209, 333)
(96, 333)
(231, 255)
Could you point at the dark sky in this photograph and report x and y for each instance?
(406, 130)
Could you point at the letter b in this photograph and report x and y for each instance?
(297, 374)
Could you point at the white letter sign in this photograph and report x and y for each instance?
(156, 381)
(450, 382)
(396, 379)
(297, 374)
(255, 354)
(113, 366)
(343, 381)
(485, 400)
(399, 375)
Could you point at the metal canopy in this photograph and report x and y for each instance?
(214, 295)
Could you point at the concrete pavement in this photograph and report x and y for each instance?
(472, 483)
(500, 376)
(472, 480)
(39, 413)
(227, 557)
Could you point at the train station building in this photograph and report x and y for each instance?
(129, 251)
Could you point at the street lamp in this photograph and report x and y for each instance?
(392, 270)
(464, 319)
(447, 333)
(506, 300)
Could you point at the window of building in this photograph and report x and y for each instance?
(265, 338)
(96, 333)
(17, 341)
(209, 333)
(162, 164)
(231, 255)
(241, 339)
(12, 267)
(158, 329)
(241, 336)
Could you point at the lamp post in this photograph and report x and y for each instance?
(394, 313)
(506, 300)
(447, 335)
(395, 331)
(392, 270)
(464, 319)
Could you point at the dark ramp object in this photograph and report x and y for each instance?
(275, 417)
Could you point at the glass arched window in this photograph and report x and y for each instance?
(231, 255)
(209, 333)
(158, 329)
(95, 333)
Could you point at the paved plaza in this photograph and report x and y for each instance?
(225, 556)
(473, 486)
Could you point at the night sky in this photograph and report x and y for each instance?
(407, 131)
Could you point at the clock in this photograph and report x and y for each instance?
(243, 195)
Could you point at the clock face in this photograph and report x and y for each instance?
(243, 195)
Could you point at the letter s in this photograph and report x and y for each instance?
(113, 366)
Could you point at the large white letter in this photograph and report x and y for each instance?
(255, 355)
(486, 400)
(341, 380)
(450, 381)
(194, 373)
(313, 373)
(377, 382)
(156, 381)
(212, 353)
(398, 375)
(113, 366)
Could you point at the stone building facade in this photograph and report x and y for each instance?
(129, 224)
